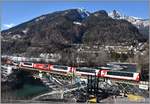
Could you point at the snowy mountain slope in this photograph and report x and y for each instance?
(141, 24)
(138, 22)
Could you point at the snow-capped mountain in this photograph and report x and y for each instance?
(141, 24)
(138, 22)
(83, 12)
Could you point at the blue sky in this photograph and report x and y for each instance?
(16, 12)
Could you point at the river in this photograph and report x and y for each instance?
(22, 86)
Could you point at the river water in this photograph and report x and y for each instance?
(22, 86)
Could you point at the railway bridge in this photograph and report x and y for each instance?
(125, 87)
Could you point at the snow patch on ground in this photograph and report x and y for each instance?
(16, 36)
(77, 23)
(40, 18)
(25, 30)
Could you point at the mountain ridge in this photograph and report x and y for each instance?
(63, 28)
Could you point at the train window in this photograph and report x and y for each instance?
(60, 67)
(86, 70)
(120, 74)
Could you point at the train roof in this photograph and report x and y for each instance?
(121, 63)
(103, 67)
(87, 68)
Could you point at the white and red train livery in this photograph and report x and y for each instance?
(120, 75)
(102, 72)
